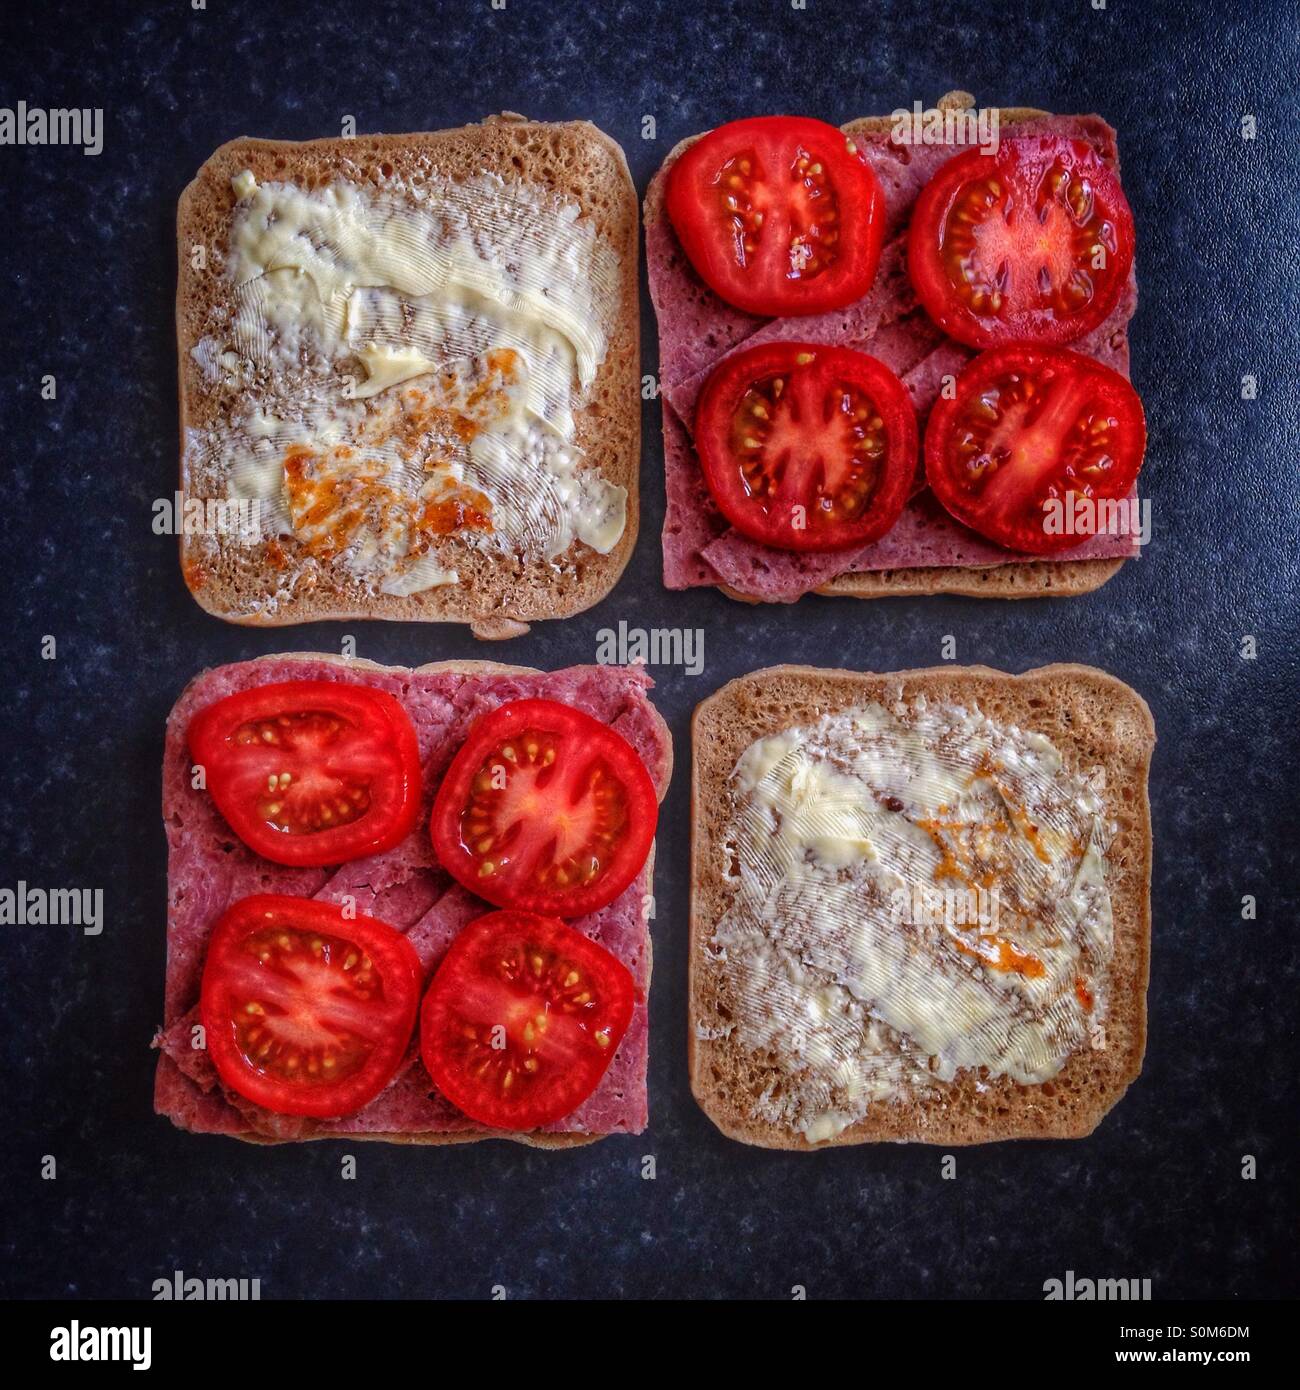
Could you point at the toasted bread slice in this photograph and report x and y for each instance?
(1094, 721)
(534, 1139)
(275, 582)
(1023, 579)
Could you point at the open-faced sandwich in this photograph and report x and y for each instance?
(408, 376)
(895, 368)
(409, 905)
(920, 904)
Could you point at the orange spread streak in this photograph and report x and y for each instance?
(1084, 993)
(335, 508)
(1006, 957)
(328, 505)
(1020, 817)
(949, 865)
(957, 861)
(444, 407)
(467, 510)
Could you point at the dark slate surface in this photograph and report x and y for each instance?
(87, 269)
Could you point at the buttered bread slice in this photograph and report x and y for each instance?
(408, 371)
(920, 904)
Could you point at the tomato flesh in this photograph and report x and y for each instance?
(807, 447)
(1028, 427)
(522, 1019)
(311, 772)
(1033, 243)
(307, 1012)
(544, 809)
(778, 214)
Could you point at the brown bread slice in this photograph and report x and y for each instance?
(1027, 579)
(1094, 720)
(498, 595)
(533, 1140)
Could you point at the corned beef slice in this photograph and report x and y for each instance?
(209, 868)
(697, 330)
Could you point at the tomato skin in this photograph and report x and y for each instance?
(378, 752)
(234, 973)
(577, 739)
(844, 251)
(501, 1002)
(725, 422)
(1047, 446)
(1044, 228)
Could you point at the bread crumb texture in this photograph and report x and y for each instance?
(1095, 722)
(275, 581)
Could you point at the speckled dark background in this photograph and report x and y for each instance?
(87, 271)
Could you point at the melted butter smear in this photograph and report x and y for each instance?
(454, 330)
(854, 1002)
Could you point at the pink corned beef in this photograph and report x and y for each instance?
(209, 868)
(697, 330)
(852, 326)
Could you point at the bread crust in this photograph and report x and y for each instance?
(1023, 579)
(501, 596)
(1119, 734)
(533, 1139)
(1029, 579)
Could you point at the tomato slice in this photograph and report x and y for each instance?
(544, 809)
(1034, 242)
(1030, 425)
(779, 215)
(307, 1012)
(522, 1019)
(807, 447)
(311, 772)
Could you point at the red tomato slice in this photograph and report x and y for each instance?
(311, 772)
(307, 1012)
(779, 215)
(807, 447)
(544, 809)
(1028, 425)
(522, 1019)
(1034, 242)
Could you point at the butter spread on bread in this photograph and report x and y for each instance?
(919, 891)
(410, 363)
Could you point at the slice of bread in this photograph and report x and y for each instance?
(273, 582)
(661, 775)
(1023, 579)
(1030, 579)
(1095, 721)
